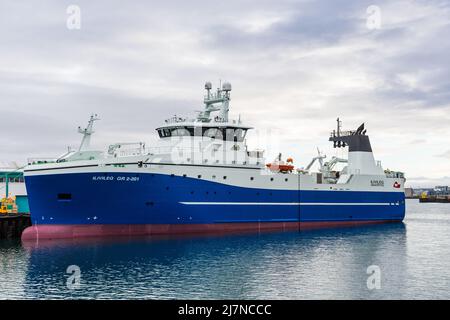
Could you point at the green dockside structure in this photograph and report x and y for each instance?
(8, 177)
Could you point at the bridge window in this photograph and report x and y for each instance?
(180, 132)
(164, 133)
(239, 135)
(236, 135)
(228, 134)
(213, 133)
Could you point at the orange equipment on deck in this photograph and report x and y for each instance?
(279, 165)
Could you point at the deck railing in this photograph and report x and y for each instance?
(32, 161)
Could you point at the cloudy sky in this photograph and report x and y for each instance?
(295, 66)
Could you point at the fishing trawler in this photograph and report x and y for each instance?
(201, 177)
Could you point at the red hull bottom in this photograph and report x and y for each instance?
(108, 230)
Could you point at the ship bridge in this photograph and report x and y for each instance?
(206, 124)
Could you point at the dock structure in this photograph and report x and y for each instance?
(12, 226)
(14, 209)
(441, 199)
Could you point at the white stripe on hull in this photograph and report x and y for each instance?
(290, 203)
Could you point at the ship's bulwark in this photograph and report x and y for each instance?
(78, 205)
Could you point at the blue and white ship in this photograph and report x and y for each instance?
(202, 178)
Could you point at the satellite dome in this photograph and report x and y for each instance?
(226, 86)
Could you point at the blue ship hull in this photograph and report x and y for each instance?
(158, 199)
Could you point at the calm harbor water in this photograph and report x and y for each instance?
(413, 258)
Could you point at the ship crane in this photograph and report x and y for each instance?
(326, 168)
(334, 160)
(319, 158)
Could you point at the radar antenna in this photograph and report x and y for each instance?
(212, 101)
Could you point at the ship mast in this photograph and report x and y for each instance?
(87, 133)
(212, 100)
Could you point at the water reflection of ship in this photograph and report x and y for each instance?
(280, 265)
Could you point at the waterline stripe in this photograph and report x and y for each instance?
(290, 203)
